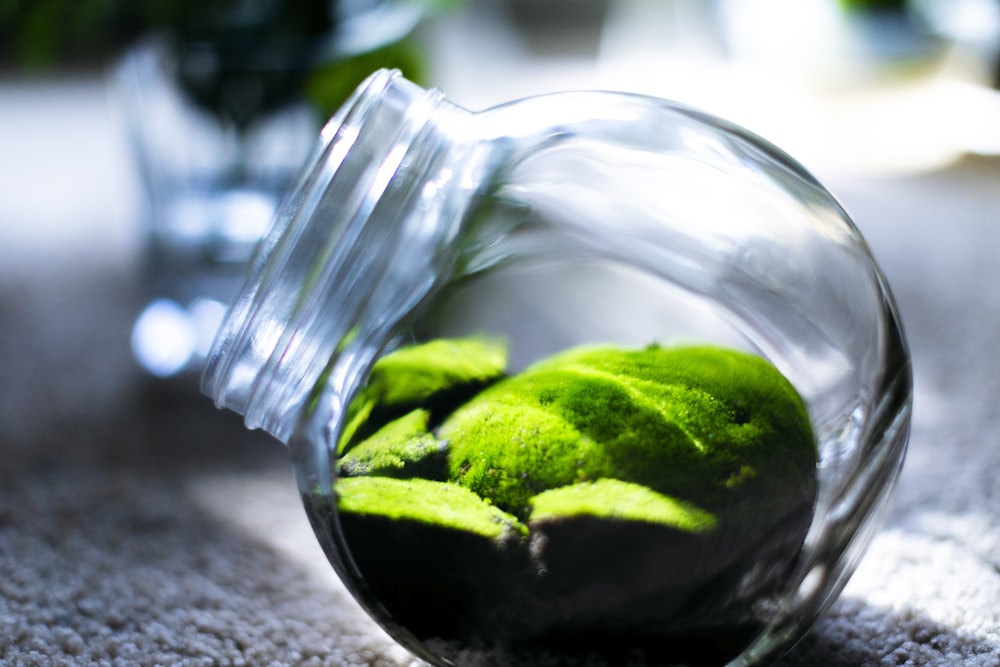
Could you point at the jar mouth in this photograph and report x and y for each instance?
(309, 277)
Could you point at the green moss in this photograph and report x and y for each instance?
(401, 448)
(602, 497)
(437, 376)
(415, 373)
(359, 414)
(508, 452)
(699, 424)
(425, 502)
(614, 499)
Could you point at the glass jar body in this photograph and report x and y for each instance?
(580, 228)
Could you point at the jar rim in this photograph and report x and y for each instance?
(271, 328)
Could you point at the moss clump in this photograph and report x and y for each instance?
(414, 374)
(401, 448)
(436, 559)
(700, 424)
(620, 501)
(426, 501)
(436, 376)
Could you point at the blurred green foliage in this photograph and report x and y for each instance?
(41, 34)
(37, 35)
(874, 5)
(238, 59)
(330, 84)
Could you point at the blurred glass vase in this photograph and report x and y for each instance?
(223, 108)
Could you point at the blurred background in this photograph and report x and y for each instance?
(164, 133)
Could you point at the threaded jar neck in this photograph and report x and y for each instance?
(359, 242)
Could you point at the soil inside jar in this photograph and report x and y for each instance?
(447, 594)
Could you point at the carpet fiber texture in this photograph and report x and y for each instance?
(140, 526)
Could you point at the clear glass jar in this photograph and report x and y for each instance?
(432, 258)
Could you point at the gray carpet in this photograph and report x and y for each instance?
(140, 526)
